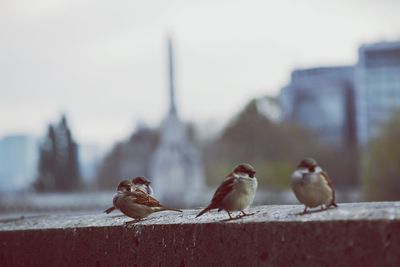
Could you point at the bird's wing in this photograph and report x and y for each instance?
(330, 184)
(224, 189)
(140, 197)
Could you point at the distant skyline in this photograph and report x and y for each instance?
(104, 63)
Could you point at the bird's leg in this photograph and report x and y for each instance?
(305, 210)
(323, 207)
(242, 214)
(230, 216)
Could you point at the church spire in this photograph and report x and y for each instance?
(172, 108)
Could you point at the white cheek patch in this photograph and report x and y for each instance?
(302, 170)
(298, 175)
(241, 175)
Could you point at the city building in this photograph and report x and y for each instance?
(322, 99)
(18, 162)
(176, 168)
(377, 82)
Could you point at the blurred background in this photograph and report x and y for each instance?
(93, 92)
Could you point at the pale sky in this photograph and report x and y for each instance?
(104, 62)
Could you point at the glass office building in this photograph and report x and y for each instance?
(377, 79)
(322, 99)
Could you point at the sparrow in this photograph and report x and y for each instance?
(141, 183)
(312, 186)
(136, 203)
(236, 192)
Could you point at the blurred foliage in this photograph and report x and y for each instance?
(274, 149)
(275, 174)
(269, 174)
(58, 161)
(381, 164)
(128, 159)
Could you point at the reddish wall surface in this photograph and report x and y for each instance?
(364, 234)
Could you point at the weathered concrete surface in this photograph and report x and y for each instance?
(360, 234)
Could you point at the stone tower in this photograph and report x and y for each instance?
(176, 167)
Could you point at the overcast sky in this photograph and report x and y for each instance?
(104, 62)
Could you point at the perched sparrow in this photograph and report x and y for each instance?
(139, 182)
(123, 186)
(136, 204)
(143, 184)
(312, 186)
(236, 193)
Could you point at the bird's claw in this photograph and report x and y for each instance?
(243, 214)
(133, 221)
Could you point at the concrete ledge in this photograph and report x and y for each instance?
(360, 234)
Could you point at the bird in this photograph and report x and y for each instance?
(312, 186)
(236, 192)
(136, 203)
(141, 183)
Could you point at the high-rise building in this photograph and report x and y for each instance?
(377, 82)
(18, 161)
(176, 169)
(322, 99)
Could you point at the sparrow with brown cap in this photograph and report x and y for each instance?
(136, 204)
(141, 183)
(236, 193)
(312, 186)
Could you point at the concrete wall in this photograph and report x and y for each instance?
(364, 234)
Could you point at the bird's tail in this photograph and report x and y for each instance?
(203, 211)
(167, 208)
(109, 210)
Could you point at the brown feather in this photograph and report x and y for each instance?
(222, 191)
(140, 197)
(330, 184)
(220, 194)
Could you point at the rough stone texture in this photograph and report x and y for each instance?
(360, 234)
